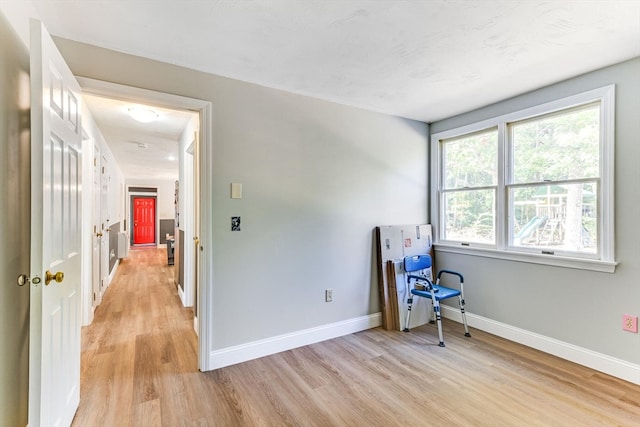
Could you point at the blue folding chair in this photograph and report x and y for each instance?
(423, 287)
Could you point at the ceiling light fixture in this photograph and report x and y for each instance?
(143, 114)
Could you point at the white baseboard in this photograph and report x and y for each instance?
(113, 273)
(253, 350)
(181, 295)
(580, 355)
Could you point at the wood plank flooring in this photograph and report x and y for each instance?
(139, 368)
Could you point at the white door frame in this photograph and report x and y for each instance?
(205, 110)
(90, 241)
(94, 223)
(187, 219)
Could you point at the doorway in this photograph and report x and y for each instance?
(202, 132)
(144, 220)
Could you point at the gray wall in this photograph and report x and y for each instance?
(317, 178)
(166, 226)
(113, 244)
(579, 307)
(14, 226)
(180, 260)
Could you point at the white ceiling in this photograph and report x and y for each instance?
(424, 60)
(143, 150)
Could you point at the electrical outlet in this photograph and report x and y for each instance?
(328, 295)
(630, 323)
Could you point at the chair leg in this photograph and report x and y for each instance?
(410, 303)
(464, 316)
(436, 310)
(432, 314)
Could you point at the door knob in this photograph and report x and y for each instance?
(49, 276)
(98, 234)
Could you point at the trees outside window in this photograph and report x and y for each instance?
(538, 181)
(470, 181)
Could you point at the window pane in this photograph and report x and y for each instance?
(471, 161)
(470, 216)
(550, 217)
(557, 147)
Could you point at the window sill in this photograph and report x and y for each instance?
(553, 260)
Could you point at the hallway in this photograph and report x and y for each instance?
(139, 356)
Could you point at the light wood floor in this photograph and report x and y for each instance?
(139, 369)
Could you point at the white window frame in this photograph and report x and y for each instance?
(605, 260)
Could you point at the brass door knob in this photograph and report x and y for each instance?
(98, 234)
(49, 276)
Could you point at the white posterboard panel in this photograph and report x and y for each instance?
(396, 242)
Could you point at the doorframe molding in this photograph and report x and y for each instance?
(205, 112)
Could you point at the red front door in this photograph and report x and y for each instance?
(144, 220)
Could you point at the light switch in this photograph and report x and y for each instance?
(236, 190)
(235, 223)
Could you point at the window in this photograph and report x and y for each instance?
(535, 185)
(470, 179)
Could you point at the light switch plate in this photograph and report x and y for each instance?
(236, 190)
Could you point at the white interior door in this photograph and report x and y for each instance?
(97, 230)
(196, 230)
(54, 331)
(104, 225)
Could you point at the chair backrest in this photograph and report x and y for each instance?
(416, 262)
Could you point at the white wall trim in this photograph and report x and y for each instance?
(113, 273)
(253, 350)
(204, 231)
(600, 362)
(181, 294)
